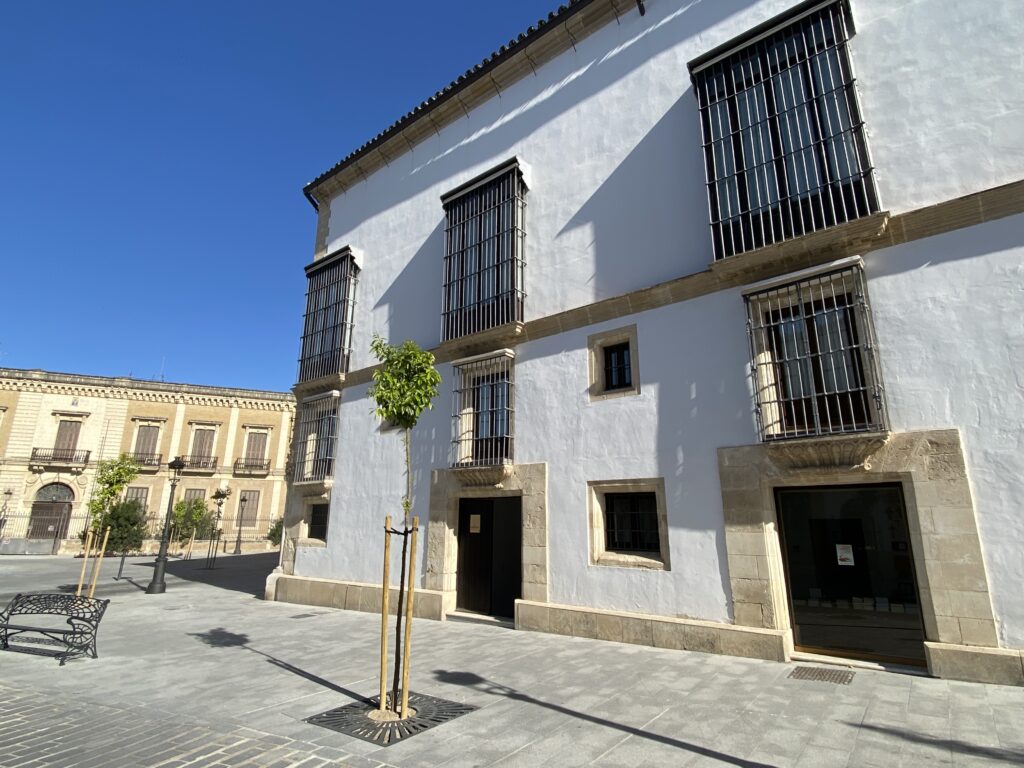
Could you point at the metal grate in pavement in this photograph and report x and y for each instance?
(353, 719)
(823, 675)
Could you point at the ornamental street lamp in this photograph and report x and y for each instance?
(238, 523)
(157, 586)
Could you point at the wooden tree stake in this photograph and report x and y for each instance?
(85, 561)
(385, 588)
(99, 562)
(408, 618)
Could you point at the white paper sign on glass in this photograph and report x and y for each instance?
(844, 554)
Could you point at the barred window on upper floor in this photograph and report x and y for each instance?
(314, 439)
(330, 309)
(813, 357)
(483, 410)
(485, 238)
(783, 136)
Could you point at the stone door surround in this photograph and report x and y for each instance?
(447, 486)
(956, 608)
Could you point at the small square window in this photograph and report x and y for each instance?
(614, 364)
(628, 522)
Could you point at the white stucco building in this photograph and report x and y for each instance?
(727, 299)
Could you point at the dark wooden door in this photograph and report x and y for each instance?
(490, 556)
(473, 592)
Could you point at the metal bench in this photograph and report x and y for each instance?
(83, 617)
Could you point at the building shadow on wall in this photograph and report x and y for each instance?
(413, 298)
(652, 209)
(498, 126)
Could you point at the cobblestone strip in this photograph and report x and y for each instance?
(39, 730)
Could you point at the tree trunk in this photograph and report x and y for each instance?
(406, 506)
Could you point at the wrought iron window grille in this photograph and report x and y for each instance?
(617, 368)
(329, 319)
(631, 523)
(485, 241)
(783, 138)
(813, 357)
(315, 436)
(483, 411)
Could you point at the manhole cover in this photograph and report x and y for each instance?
(823, 675)
(353, 719)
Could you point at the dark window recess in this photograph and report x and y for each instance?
(783, 136)
(631, 523)
(617, 374)
(318, 514)
(813, 357)
(485, 236)
(327, 325)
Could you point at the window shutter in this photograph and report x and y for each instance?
(248, 511)
(145, 442)
(256, 446)
(202, 443)
(67, 435)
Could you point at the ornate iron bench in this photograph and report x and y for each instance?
(84, 614)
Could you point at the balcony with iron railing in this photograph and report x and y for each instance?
(252, 467)
(199, 464)
(60, 456)
(147, 462)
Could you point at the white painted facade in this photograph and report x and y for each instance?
(616, 203)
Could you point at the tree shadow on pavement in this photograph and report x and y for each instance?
(1011, 756)
(223, 638)
(475, 681)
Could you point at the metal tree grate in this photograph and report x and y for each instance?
(822, 675)
(354, 720)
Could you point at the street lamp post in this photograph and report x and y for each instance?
(158, 586)
(238, 523)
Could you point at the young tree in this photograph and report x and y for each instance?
(189, 514)
(403, 387)
(112, 477)
(127, 521)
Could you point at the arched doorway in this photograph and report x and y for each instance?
(51, 512)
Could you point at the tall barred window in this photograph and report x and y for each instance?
(483, 410)
(330, 307)
(315, 434)
(782, 132)
(485, 237)
(813, 357)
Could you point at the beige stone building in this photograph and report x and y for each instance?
(55, 428)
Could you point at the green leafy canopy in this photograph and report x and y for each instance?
(405, 382)
(112, 477)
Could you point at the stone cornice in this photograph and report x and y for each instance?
(45, 382)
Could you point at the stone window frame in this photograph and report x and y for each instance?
(194, 426)
(599, 555)
(596, 344)
(147, 421)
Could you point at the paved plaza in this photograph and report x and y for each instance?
(209, 675)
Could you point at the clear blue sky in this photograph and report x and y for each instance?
(152, 156)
